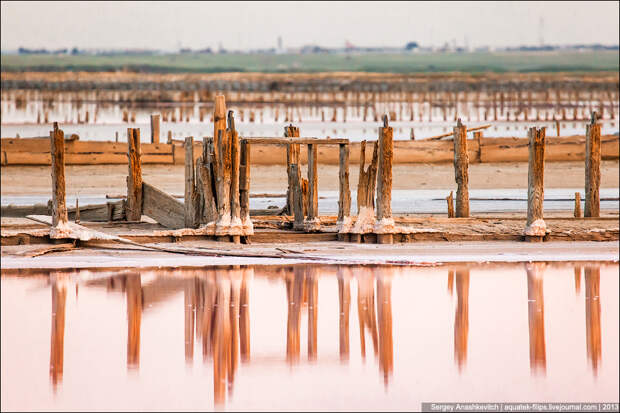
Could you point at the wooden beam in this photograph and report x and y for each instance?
(303, 141)
(134, 178)
(59, 205)
(163, 208)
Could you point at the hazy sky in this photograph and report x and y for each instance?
(244, 25)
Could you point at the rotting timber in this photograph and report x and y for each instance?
(216, 205)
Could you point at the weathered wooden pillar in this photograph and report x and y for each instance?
(535, 228)
(312, 222)
(292, 156)
(205, 183)
(577, 213)
(59, 203)
(134, 179)
(235, 206)
(593, 168)
(461, 172)
(384, 226)
(155, 128)
(344, 199)
(192, 219)
(367, 180)
(244, 188)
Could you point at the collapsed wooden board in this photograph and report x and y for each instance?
(163, 208)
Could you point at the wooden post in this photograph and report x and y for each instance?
(577, 205)
(385, 223)
(244, 188)
(223, 176)
(365, 220)
(292, 156)
(593, 168)
(312, 222)
(134, 179)
(116, 136)
(204, 173)
(155, 128)
(344, 199)
(59, 205)
(298, 208)
(461, 173)
(191, 218)
(77, 210)
(450, 199)
(235, 206)
(535, 228)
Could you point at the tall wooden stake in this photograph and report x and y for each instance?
(577, 212)
(461, 172)
(535, 228)
(312, 222)
(134, 179)
(235, 206)
(191, 216)
(385, 223)
(59, 205)
(344, 199)
(593, 168)
(244, 188)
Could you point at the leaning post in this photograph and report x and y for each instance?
(344, 199)
(535, 228)
(191, 220)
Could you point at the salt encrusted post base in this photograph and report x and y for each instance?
(344, 225)
(365, 221)
(312, 225)
(223, 226)
(247, 226)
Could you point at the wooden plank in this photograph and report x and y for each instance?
(59, 205)
(303, 141)
(37, 145)
(163, 208)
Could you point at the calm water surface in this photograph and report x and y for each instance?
(309, 337)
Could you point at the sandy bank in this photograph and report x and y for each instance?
(110, 179)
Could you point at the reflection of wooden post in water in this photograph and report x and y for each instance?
(244, 316)
(536, 316)
(384, 315)
(450, 281)
(208, 314)
(134, 317)
(189, 302)
(461, 318)
(344, 301)
(59, 296)
(593, 316)
(577, 279)
(366, 309)
(235, 290)
(294, 293)
(313, 291)
(221, 337)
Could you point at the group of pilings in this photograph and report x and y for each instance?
(217, 183)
